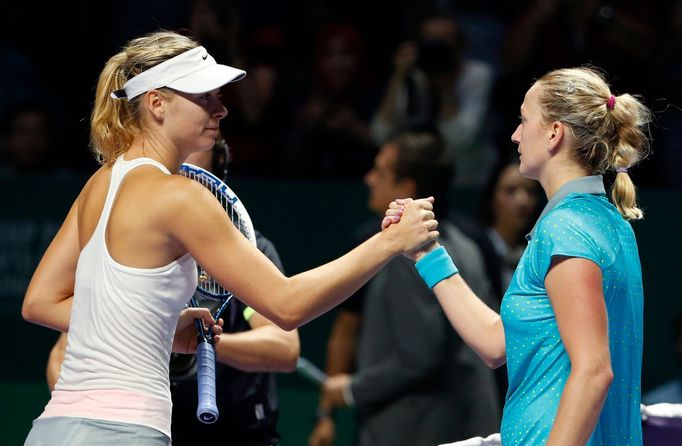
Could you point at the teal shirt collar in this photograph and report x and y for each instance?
(593, 184)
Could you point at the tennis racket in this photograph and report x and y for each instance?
(210, 293)
(310, 371)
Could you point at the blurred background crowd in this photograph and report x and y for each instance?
(329, 81)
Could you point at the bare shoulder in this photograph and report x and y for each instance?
(98, 180)
(94, 191)
(174, 196)
(184, 192)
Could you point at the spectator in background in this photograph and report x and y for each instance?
(416, 382)
(259, 108)
(670, 391)
(260, 117)
(432, 85)
(217, 26)
(331, 138)
(510, 209)
(28, 140)
(18, 79)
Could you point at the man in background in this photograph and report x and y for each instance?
(393, 354)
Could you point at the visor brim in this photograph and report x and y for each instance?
(208, 79)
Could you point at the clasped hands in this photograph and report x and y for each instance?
(399, 209)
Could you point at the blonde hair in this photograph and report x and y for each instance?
(114, 123)
(610, 133)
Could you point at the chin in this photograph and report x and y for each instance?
(206, 146)
(526, 172)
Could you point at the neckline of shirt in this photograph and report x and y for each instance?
(592, 184)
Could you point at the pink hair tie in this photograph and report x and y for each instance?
(611, 102)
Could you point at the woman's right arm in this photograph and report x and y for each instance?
(50, 293)
(201, 226)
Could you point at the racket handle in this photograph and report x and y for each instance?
(207, 410)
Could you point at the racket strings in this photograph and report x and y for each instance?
(206, 282)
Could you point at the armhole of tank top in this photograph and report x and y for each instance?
(103, 225)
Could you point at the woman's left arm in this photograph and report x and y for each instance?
(574, 286)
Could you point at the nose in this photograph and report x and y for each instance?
(220, 112)
(516, 136)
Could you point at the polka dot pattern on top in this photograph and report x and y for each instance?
(586, 226)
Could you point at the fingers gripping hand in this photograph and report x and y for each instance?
(393, 214)
(395, 211)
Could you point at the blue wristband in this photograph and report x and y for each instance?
(436, 266)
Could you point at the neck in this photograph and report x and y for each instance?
(149, 146)
(556, 176)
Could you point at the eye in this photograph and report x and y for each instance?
(522, 119)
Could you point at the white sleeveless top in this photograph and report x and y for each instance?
(121, 331)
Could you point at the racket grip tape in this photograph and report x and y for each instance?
(207, 410)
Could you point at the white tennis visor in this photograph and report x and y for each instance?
(193, 72)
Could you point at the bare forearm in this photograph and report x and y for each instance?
(265, 349)
(581, 403)
(478, 325)
(387, 108)
(55, 315)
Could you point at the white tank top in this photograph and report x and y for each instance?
(121, 330)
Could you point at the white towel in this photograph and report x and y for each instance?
(491, 440)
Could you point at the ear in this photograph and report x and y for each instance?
(555, 136)
(155, 102)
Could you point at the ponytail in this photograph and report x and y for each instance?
(630, 118)
(610, 132)
(115, 123)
